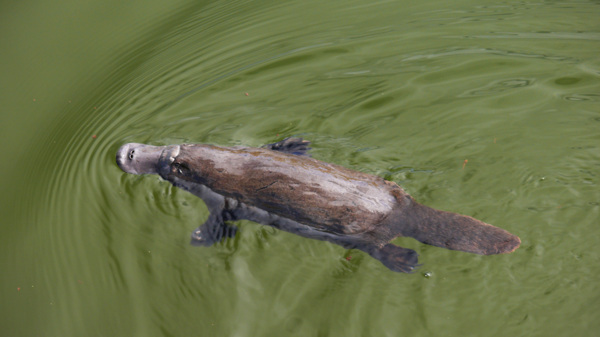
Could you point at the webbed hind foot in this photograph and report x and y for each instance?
(397, 258)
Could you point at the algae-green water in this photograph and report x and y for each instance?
(485, 108)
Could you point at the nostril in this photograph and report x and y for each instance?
(131, 154)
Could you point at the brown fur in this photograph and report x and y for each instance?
(281, 187)
(272, 181)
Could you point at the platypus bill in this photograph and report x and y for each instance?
(280, 185)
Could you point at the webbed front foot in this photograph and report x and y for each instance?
(396, 258)
(291, 145)
(212, 231)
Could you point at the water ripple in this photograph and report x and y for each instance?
(408, 96)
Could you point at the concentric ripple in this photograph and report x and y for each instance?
(458, 105)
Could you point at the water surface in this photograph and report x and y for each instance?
(490, 110)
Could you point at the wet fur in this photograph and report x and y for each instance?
(279, 185)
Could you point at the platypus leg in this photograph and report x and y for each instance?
(213, 230)
(291, 145)
(396, 258)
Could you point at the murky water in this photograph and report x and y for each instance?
(490, 110)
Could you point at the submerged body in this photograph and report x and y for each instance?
(280, 186)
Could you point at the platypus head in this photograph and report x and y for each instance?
(139, 158)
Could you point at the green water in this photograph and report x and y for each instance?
(405, 90)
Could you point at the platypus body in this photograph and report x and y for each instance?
(279, 185)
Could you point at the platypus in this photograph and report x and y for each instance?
(280, 185)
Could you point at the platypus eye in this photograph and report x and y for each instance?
(180, 168)
(131, 154)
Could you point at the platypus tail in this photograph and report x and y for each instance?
(455, 231)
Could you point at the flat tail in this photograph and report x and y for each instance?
(458, 232)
